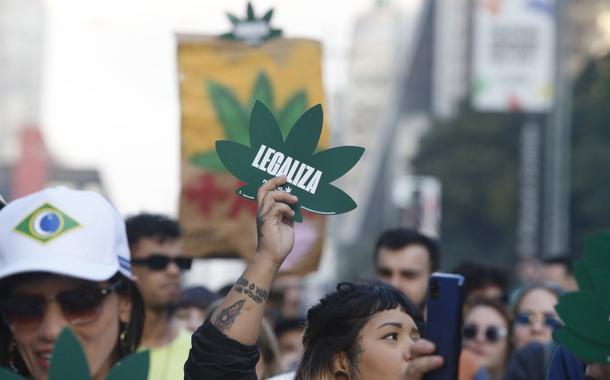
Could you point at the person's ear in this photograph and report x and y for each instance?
(125, 306)
(341, 366)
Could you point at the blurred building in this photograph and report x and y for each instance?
(26, 165)
(34, 169)
(21, 42)
(399, 82)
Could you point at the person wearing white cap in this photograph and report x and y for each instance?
(65, 262)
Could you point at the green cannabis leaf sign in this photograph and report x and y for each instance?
(68, 362)
(309, 173)
(586, 313)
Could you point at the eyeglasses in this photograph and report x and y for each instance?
(528, 319)
(159, 262)
(492, 333)
(25, 312)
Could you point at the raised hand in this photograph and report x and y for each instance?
(274, 221)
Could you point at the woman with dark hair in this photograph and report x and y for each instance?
(357, 332)
(65, 263)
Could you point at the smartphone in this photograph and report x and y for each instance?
(444, 322)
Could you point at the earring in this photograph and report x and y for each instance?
(123, 340)
(12, 354)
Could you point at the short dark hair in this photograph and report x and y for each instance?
(402, 237)
(155, 226)
(333, 325)
(478, 276)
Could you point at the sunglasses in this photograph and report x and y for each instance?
(24, 312)
(492, 333)
(528, 319)
(158, 262)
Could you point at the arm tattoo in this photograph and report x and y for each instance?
(224, 319)
(260, 220)
(257, 294)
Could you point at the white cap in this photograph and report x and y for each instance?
(62, 231)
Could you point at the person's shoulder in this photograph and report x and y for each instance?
(183, 338)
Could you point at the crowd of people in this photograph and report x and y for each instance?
(68, 259)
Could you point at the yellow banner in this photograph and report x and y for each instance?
(219, 82)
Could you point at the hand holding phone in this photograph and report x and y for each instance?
(444, 322)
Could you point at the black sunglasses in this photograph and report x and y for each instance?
(158, 262)
(492, 333)
(24, 312)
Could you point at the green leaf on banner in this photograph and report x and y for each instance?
(293, 109)
(269, 155)
(262, 91)
(232, 117)
(133, 367)
(208, 160)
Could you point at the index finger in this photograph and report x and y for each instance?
(421, 348)
(268, 186)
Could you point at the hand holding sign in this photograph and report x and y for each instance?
(308, 173)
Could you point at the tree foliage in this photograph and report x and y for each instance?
(476, 157)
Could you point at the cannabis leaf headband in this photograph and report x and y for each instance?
(309, 173)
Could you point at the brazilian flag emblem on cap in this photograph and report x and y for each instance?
(46, 223)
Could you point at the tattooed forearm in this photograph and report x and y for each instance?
(223, 320)
(257, 294)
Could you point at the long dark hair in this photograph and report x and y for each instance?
(133, 329)
(333, 324)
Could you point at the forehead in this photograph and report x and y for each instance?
(148, 246)
(485, 315)
(413, 256)
(47, 284)
(388, 316)
(538, 300)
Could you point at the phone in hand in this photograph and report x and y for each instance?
(444, 322)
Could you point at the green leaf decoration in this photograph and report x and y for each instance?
(268, 15)
(309, 173)
(250, 12)
(234, 20)
(586, 313)
(584, 349)
(595, 327)
(133, 367)
(234, 120)
(68, 361)
(254, 35)
(5, 374)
